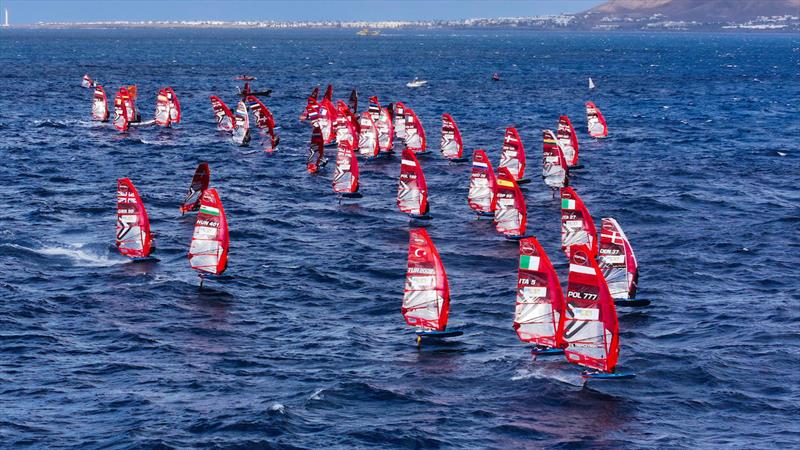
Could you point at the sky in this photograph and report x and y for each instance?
(33, 11)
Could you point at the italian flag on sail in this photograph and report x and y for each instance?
(567, 203)
(529, 262)
(210, 210)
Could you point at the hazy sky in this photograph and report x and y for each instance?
(32, 11)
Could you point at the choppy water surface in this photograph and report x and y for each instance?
(306, 346)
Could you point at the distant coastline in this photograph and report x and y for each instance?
(562, 22)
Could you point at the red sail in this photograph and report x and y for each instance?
(345, 176)
(162, 116)
(595, 121)
(511, 214)
(209, 250)
(316, 151)
(539, 314)
(426, 296)
(87, 81)
(241, 125)
(415, 134)
(344, 125)
(617, 261)
(591, 330)
(554, 166)
(120, 112)
(265, 122)
(325, 119)
(577, 226)
(311, 104)
(200, 181)
(512, 156)
(400, 120)
(367, 136)
(133, 227)
(452, 146)
(385, 131)
(568, 140)
(174, 106)
(99, 104)
(482, 196)
(129, 99)
(223, 114)
(328, 94)
(412, 192)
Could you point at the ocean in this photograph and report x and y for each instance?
(304, 346)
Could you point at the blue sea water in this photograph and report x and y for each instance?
(305, 346)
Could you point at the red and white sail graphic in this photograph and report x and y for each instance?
(595, 121)
(209, 250)
(311, 103)
(412, 192)
(120, 112)
(326, 117)
(511, 214)
(512, 156)
(99, 104)
(344, 126)
(415, 134)
(345, 176)
(554, 166)
(174, 105)
(385, 131)
(568, 140)
(162, 116)
(241, 125)
(426, 296)
(617, 260)
(133, 227)
(316, 151)
(452, 147)
(87, 82)
(539, 315)
(265, 123)
(482, 196)
(200, 180)
(577, 226)
(129, 98)
(400, 120)
(591, 330)
(223, 114)
(367, 136)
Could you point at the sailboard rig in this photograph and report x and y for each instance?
(174, 105)
(99, 104)
(265, 123)
(162, 116)
(352, 102)
(367, 136)
(451, 146)
(415, 134)
(223, 114)
(539, 314)
(326, 115)
(482, 195)
(618, 264)
(208, 253)
(412, 191)
(345, 175)
(241, 127)
(87, 82)
(129, 98)
(591, 330)
(200, 181)
(511, 214)
(512, 155)
(385, 131)
(316, 152)
(120, 112)
(400, 120)
(569, 141)
(591, 83)
(311, 104)
(345, 126)
(426, 295)
(595, 121)
(554, 165)
(577, 226)
(134, 238)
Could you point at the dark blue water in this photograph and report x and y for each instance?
(305, 346)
